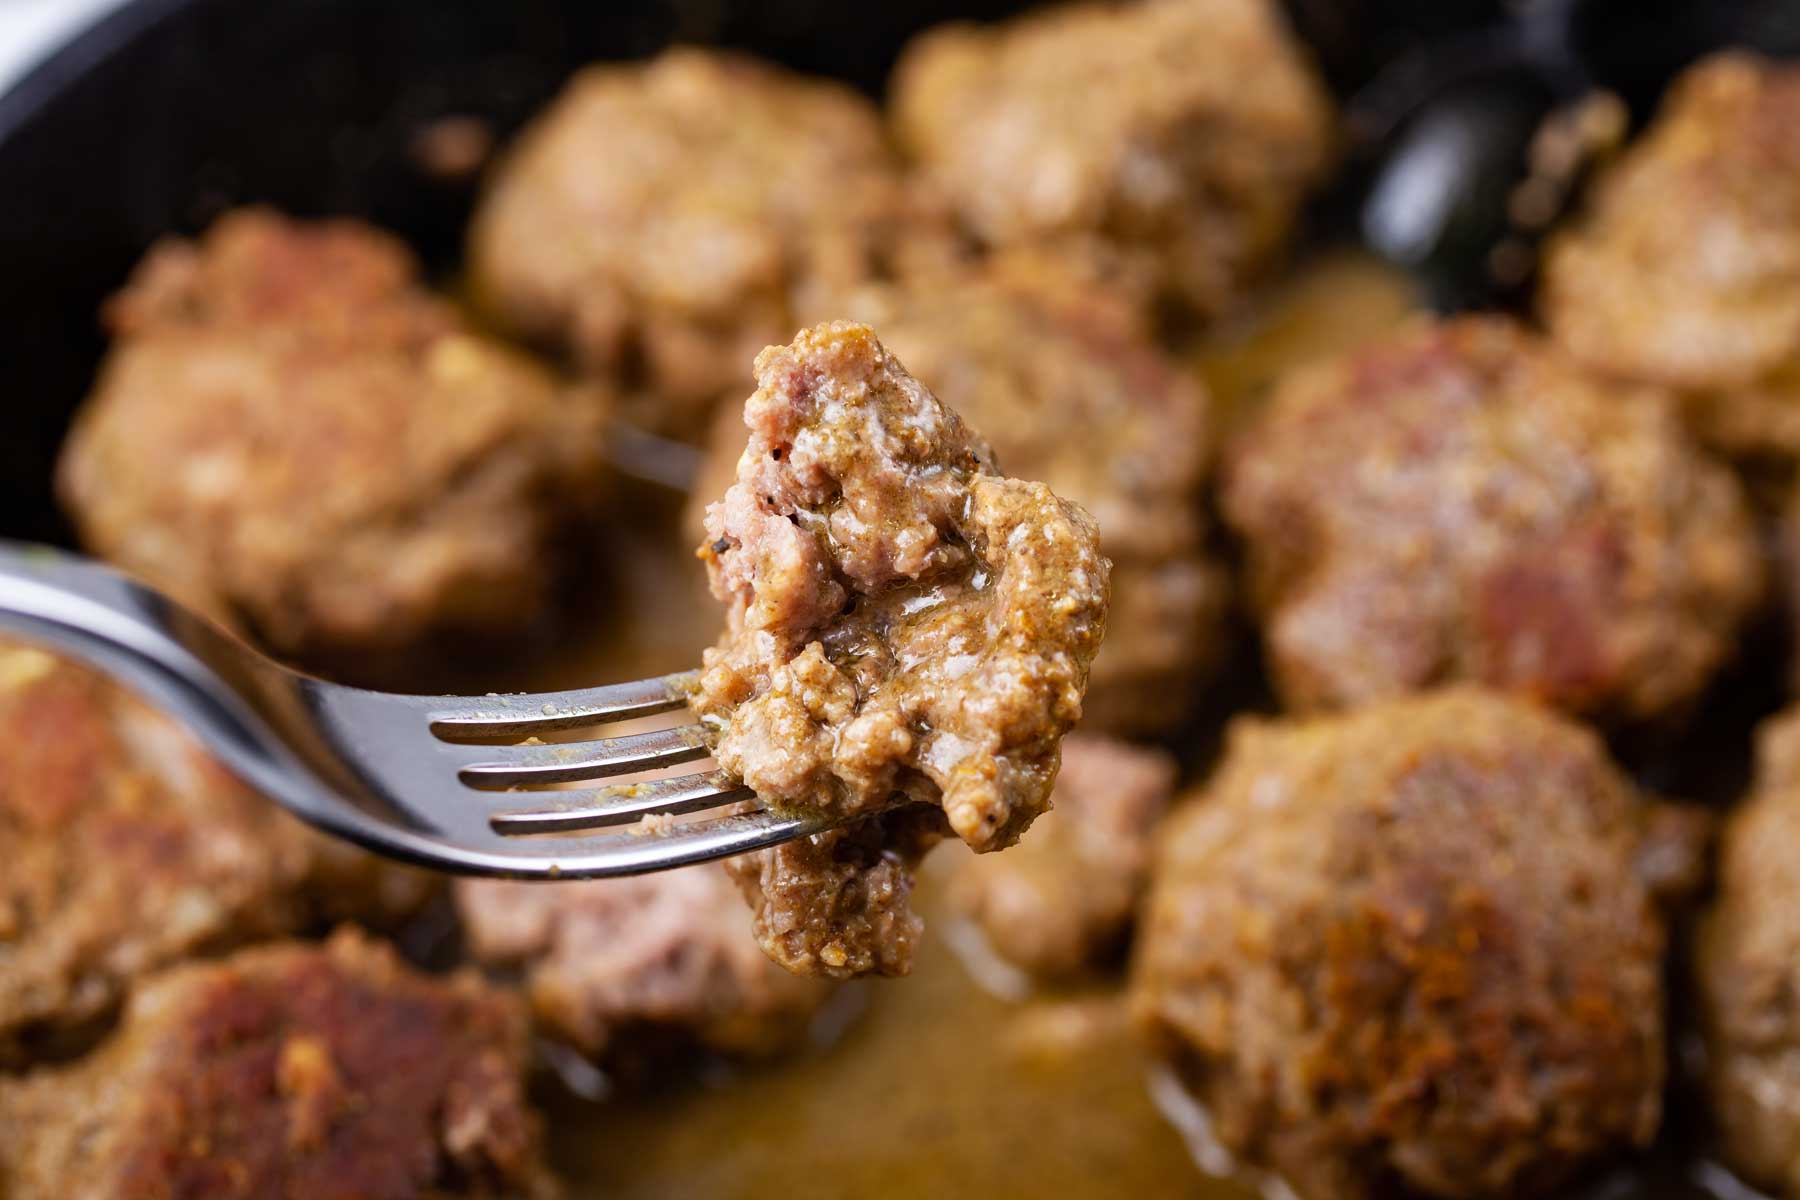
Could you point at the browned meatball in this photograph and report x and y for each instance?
(902, 622)
(1407, 948)
(123, 848)
(294, 434)
(1685, 270)
(1462, 502)
(1068, 389)
(286, 1071)
(1064, 897)
(1748, 971)
(661, 220)
(1177, 136)
(610, 960)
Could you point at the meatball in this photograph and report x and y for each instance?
(902, 622)
(1407, 948)
(289, 1070)
(293, 434)
(1685, 269)
(126, 848)
(1748, 971)
(1071, 391)
(609, 960)
(1461, 502)
(661, 221)
(1062, 900)
(1174, 138)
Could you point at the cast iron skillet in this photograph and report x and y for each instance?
(170, 111)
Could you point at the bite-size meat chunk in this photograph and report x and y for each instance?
(291, 433)
(1747, 971)
(1062, 900)
(127, 848)
(1684, 271)
(291, 1070)
(1175, 139)
(662, 221)
(1463, 502)
(1409, 950)
(902, 622)
(611, 963)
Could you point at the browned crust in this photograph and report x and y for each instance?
(1462, 502)
(1408, 946)
(287, 1071)
(293, 434)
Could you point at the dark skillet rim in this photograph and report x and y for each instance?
(23, 104)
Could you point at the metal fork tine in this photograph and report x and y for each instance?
(622, 804)
(561, 762)
(637, 850)
(520, 715)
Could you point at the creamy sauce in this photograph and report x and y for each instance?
(928, 1091)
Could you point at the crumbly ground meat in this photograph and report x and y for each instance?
(125, 848)
(901, 622)
(1064, 897)
(1069, 389)
(1747, 971)
(607, 960)
(293, 434)
(662, 220)
(838, 904)
(1178, 136)
(1462, 502)
(1407, 949)
(900, 618)
(1685, 269)
(287, 1072)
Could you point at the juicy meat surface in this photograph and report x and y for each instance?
(1684, 270)
(1177, 136)
(124, 848)
(1462, 502)
(901, 621)
(661, 221)
(1063, 899)
(287, 1072)
(1408, 948)
(1069, 389)
(293, 434)
(1747, 971)
(605, 961)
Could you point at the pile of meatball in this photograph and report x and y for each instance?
(1412, 932)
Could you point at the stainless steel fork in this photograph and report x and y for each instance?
(405, 776)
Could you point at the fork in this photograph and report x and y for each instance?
(416, 778)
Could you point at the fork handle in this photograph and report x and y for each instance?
(173, 658)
